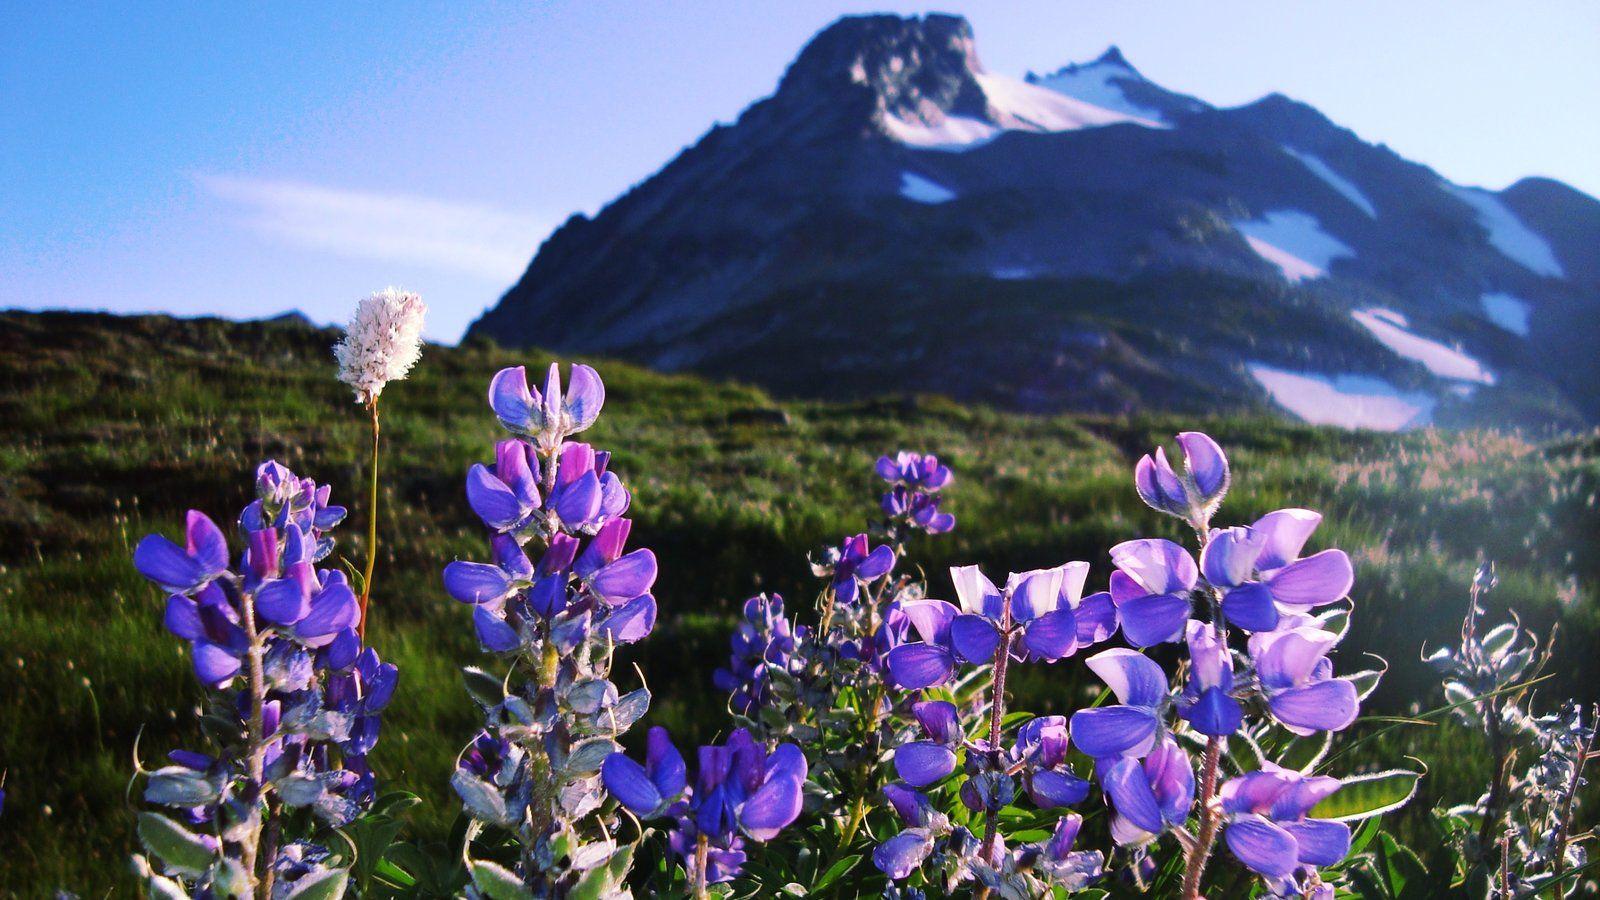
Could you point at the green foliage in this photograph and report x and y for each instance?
(114, 426)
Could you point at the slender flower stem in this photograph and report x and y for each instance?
(1565, 827)
(372, 526)
(702, 854)
(997, 712)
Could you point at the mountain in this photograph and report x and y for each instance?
(895, 217)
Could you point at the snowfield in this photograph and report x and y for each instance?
(1294, 242)
(1095, 83)
(1334, 180)
(1510, 313)
(1017, 106)
(1348, 401)
(1517, 241)
(1390, 329)
(922, 190)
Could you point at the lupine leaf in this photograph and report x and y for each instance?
(176, 846)
(329, 885)
(497, 882)
(836, 871)
(1368, 795)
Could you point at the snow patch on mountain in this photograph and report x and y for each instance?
(949, 133)
(1517, 241)
(1294, 242)
(1348, 401)
(1096, 83)
(1446, 362)
(1334, 180)
(1015, 105)
(922, 190)
(1510, 313)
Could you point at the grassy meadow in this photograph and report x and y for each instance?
(114, 426)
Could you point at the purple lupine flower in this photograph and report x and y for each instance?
(1041, 747)
(915, 470)
(921, 763)
(1072, 869)
(547, 418)
(1131, 727)
(1152, 589)
(764, 640)
(186, 569)
(900, 855)
(1149, 794)
(740, 791)
(1260, 571)
(856, 563)
(506, 495)
(1268, 829)
(920, 510)
(1297, 677)
(1194, 495)
(1207, 702)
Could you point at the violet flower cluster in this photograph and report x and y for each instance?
(1256, 581)
(295, 700)
(561, 593)
(741, 791)
(912, 501)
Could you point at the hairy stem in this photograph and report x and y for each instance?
(1210, 822)
(372, 526)
(1564, 829)
(997, 712)
(255, 739)
(702, 854)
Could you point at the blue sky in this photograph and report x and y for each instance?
(248, 159)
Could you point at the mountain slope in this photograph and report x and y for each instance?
(896, 217)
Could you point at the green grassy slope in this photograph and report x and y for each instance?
(114, 426)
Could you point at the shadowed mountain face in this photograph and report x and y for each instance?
(897, 218)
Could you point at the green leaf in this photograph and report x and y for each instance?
(836, 871)
(497, 882)
(1363, 796)
(176, 846)
(327, 885)
(1304, 754)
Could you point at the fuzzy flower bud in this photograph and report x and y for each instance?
(381, 343)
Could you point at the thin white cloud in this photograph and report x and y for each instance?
(471, 238)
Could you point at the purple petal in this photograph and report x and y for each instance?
(1171, 780)
(1073, 577)
(1262, 846)
(167, 564)
(213, 664)
(206, 544)
(787, 762)
(333, 609)
(489, 497)
(494, 632)
(1159, 566)
(887, 469)
(1034, 593)
(586, 393)
(1156, 619)
(917, 665)
(1205, 462)
(877, 564)
(977, 593)
(1128, 787)
(578, 502)
(472, 582)
(513, 404)
(1299, 795)
(772, 807)
(628, 577)
(931, 619)
(900, 855)
(1215, 713)
(549, 595)
(282, 601)
(1053, 635)
(921, 763)
(1049, 788)
(552, 393)
(1319, 579)
(1250, 607)
(939, 720)
(632, 621)
(1321, 843)
(1230, 556)
(627, 781)
(1286, 531)
(664, 763)
(1149, 484)
(1064, 836)
(1133, 677)
(1290, 657)
(1110, 731)
(1325, 706)
(909, 804)
(183, 618)
(974, 638)
(1097, 618)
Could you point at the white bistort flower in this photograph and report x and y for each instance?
(381, 343)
